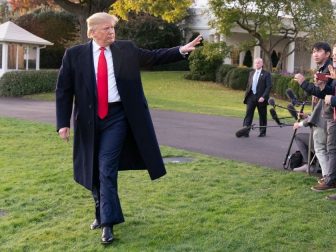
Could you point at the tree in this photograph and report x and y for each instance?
(149, 32)
(168, 10)
(82, 9)
(23, 6)
(272, 23)
(57, 27)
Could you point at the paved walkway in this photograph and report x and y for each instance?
(212, 135)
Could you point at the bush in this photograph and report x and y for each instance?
(205, 60)
(19, 83)
(281, 83)
(222, 72)
(237, 78)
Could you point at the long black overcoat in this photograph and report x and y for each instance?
(77, 84)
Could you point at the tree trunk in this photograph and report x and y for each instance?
(83, 10)
(267, 61)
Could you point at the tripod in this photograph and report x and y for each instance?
(285, 163)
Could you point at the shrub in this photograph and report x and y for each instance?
(205, 60)
(222, 72)
(237, 78)
(282, 82)
(18, 83)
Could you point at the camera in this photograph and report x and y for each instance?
(322, 76)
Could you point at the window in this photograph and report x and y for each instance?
(235, 56)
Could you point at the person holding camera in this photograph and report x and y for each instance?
(318, 124)
(256, 96)
(322, 86)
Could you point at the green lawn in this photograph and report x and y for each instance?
(207, 205)
(170, 91)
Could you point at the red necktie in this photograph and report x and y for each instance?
(102, 85)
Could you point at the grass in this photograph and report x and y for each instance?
(170, 91)
(207, 205)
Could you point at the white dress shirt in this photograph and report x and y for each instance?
(255, 81)
(113, 94)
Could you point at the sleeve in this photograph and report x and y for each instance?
(149, 58)
(311, 89)
(268, 81)
(64, 93)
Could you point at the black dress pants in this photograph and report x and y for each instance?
(251, 104)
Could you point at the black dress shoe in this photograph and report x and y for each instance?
(107, 236)
(95, 224)
(262, 135)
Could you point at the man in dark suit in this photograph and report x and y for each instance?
(256, 96)
(113, 129)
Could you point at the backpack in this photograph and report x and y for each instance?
(295, 160)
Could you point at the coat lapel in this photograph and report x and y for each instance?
(86, 57)
(117, 59)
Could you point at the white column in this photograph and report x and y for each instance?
(37, 58)
(4, 57)
(256, 52)
(227, 60)
(17, 58)
(27, 58)
(241, 57)
(291, 58)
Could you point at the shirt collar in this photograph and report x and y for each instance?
(96, 47)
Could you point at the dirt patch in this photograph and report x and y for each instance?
(2, 213)
(177, 160)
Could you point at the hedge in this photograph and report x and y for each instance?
(222, 72)
(282, 82)
(19, 83)
(236, 78)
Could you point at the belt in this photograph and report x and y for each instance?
(114, 104)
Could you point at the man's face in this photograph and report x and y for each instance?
(258, 64)
(104, 34)
(320, 56)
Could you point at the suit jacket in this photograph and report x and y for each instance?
(77, 84)
(263, 87)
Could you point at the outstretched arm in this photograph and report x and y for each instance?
(191, 45)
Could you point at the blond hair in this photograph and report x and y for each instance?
(97, 19)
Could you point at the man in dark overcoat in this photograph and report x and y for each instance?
(113, 129)
(256, 96)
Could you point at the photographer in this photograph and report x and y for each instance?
(323, 85)
(319, 140)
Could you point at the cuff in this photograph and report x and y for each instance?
(182, 53)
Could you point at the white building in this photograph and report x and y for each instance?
(198, 21)
(19, 49)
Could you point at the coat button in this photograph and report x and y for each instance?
(90, 106)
